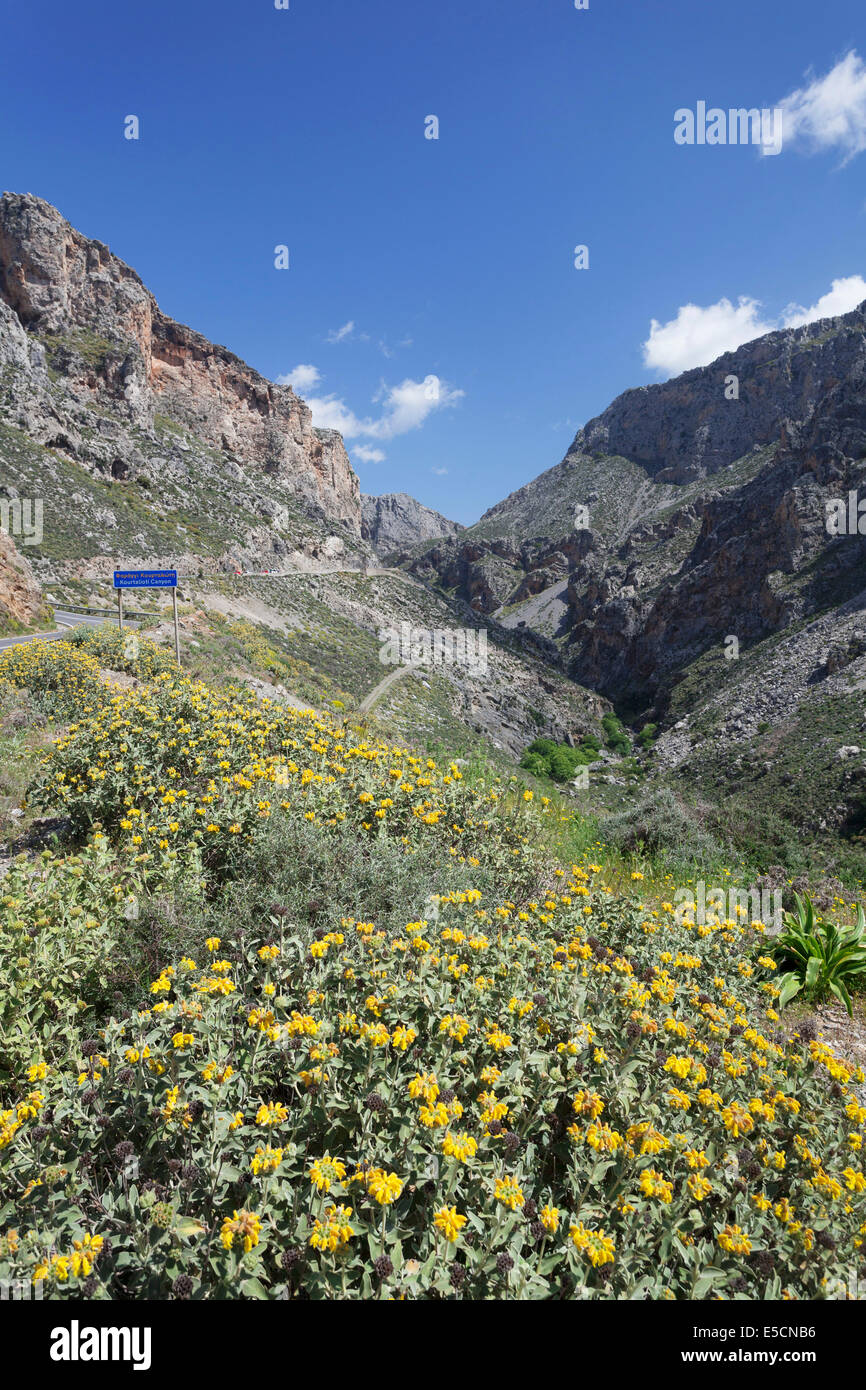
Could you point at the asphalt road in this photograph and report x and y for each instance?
(65, 622)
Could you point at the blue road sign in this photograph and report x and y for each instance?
(145, 579)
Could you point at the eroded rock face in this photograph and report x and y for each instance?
(104, 333)
(395, 520)
(686, 514)
(694, 425)
(21, 601)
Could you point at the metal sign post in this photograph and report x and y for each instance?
(176, 633)
(148, 579)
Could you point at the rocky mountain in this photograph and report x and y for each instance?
(145, 445)
(93, 370)
(396, 520)
(687, 513)
(681, 561)
(229, 466)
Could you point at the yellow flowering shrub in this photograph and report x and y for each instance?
(331, 1159)
(514, 1096)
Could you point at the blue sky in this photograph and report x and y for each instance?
(452, 259)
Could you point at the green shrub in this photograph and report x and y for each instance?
(123, 651)
(536, 763)
(64, 930)
(306, 870)
(544, 758)
(542, 746)
(563, 763)
(615, 735)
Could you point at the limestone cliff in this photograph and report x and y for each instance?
(395, 520)
(95, 325)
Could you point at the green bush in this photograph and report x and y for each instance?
(544, 758)
(536, 763)
(563, 763)
(615, 735)
(65, 929)
(543, 746)
(123, 651)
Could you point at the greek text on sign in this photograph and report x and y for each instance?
(145, 579)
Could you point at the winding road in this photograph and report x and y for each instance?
(65, 622)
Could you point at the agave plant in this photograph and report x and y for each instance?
(823, 957)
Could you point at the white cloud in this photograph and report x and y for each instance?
(368, 455)
(841, 298)
(697, 336)
(301, 378)
(339, 335)
(408, 405)
(329, 413)
(829, 113)
(404, 408)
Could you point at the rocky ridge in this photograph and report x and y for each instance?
(394, 520)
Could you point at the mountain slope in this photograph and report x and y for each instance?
(680, 517)
(680, 562)
(21, 604)
(97, 325)
(150, 447)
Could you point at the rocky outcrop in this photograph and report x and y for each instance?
(699, 422)
(395, 521)
(21, 602)
(89, 318)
